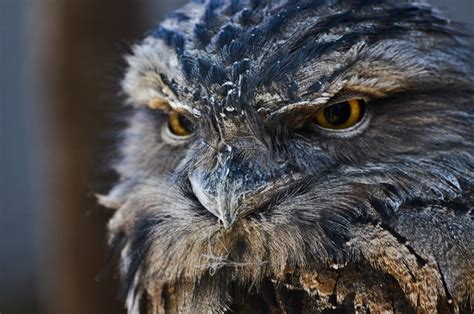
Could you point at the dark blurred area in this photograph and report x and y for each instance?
(61, 62)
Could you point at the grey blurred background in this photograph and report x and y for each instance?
(60, 64)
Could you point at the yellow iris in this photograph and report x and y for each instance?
(179, 125)
(341, 115)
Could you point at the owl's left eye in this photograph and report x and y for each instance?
(179, 125)
(342, 115)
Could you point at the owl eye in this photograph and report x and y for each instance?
(342, 115)
(179, 125)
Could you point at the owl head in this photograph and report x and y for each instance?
(263, 134)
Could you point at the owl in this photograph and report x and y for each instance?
(297, 156)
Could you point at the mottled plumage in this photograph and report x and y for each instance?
(260, 210)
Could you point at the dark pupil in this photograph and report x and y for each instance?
(338, 114)
(185, 123)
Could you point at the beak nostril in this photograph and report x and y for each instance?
(221, 147)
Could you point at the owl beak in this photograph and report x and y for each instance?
(222, 203)
(234, 188)
(228, 203)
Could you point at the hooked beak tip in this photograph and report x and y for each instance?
(227, 222)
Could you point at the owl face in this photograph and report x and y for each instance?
(263, 131)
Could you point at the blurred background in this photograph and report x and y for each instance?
(60, 103)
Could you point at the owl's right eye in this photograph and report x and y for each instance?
(340, 116)
(179, 125)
